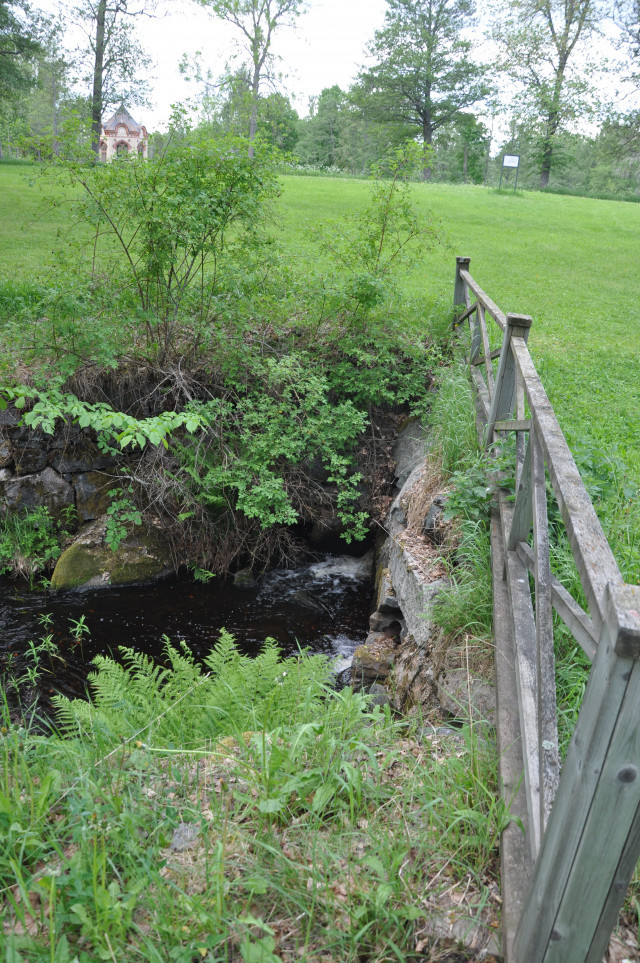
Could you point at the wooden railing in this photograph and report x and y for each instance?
(565, 879)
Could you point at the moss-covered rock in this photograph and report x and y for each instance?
(90, 563)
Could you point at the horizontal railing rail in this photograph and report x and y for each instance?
(545, 915)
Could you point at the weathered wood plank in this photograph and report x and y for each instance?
(460, 292)
(523, 509)
(481, 320)
(494, 354)
(465, 314)
(593, 556)
(498, 316)
(617, 890)
(502, 403)
(513, 425)
(547, 725)
(608, 828)
(520, 437)
(515, 857)
(573, 616)
(584, 763)
(527, 675)
(482, 393)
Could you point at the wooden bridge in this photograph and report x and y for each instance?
(565, 878)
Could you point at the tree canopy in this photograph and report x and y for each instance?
(540, 40)
(422, 75)
(257, 21)
(18, 46)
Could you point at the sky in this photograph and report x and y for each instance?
(326, 48)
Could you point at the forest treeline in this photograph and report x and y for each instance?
(556, 83)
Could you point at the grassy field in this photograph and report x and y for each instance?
(564, 260)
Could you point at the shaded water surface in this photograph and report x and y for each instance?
(324, 606)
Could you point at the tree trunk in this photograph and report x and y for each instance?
(552, 125)
(427, 139)
(253, 117)
(98, 70)
(465, 163)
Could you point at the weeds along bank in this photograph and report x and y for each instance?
(229, 388)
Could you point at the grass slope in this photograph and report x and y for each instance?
(564, 260)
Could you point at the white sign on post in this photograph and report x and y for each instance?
(511, 162)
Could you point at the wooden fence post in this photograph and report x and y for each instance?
(459, 290)
(504, 393)
(592, 841)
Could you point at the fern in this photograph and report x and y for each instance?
(179, 705)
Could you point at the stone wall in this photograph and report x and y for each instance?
(57, 471)
(423, 670)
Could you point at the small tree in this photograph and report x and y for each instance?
(257, 21)
(169, 221)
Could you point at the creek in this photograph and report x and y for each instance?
(323, 605)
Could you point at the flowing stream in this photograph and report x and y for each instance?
(323, 606)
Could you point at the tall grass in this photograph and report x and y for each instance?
(328, 833)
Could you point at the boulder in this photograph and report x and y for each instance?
(386, 602)
(467, 697)
(29, 459)
(409, 450)
(90, 563)
(80, 457)
(373, 661)
(20, 492)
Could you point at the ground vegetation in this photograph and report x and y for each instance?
(177, 329)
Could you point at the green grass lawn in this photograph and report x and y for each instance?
(567, 261)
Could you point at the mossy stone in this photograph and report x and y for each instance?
(89, 563)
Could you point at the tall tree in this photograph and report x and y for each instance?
(540, 40)
(18, 47)
(321, 132)
(257, 21)
(422, 74)
(113, 56)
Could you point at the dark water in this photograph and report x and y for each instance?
(324, 606)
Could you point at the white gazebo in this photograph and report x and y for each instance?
(121, 134)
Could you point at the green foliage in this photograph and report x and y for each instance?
(121, 514)
(422, 73)
(237, 692)
(171, 219)
(452, 422)
(307, 814)
(370, 248)
(29, 542)
(114, 428)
